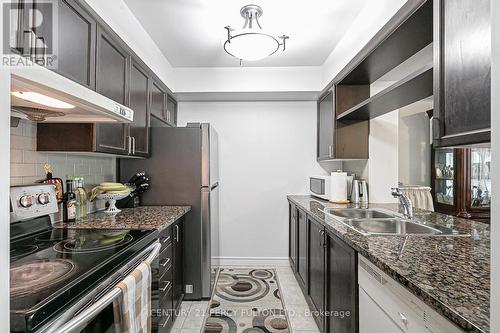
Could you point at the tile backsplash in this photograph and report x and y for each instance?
(26, 164)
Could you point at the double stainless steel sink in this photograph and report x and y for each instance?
(379, 222)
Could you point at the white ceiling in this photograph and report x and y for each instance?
(191, 33)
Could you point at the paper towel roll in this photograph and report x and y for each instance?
(338, 191)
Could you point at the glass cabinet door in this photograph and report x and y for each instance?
(444, 164)
(480, 182)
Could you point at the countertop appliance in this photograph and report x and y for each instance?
(386, 306)
(184, 169)
(88, 105)
(319, 186)
(359, 193)
(56, 274)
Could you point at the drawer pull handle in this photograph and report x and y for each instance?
(165, 239)
(165, 322)
(165, 263)
(166, 287)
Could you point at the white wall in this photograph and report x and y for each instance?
(267, 150)
(414, 149)
(383, 162)
(495, 146)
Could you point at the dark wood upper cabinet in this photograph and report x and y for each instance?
(462, 72)
(171, 114)
(326, 126)
(139, 102)
(346, 139)
(316, 260)
(158, 100)
(112, 81)
(341, 285)
(72, 45)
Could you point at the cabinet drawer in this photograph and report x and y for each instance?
(166, 237)
(165, 259)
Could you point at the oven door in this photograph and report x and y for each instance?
(317, 186)
(93, 313)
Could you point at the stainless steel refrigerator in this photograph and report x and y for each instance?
(183, 170)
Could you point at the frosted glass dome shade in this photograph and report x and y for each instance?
(251, 46)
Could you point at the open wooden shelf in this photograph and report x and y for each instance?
(395, 43)
(411, 89)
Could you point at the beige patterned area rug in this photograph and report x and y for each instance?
(247, 301)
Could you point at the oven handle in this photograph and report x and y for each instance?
(77, 323)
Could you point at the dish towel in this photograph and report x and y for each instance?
(420, 196)
(132, 311)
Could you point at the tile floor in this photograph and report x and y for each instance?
(193, 314)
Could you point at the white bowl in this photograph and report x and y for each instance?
(111, 198)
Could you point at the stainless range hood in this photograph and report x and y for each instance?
(88, 105)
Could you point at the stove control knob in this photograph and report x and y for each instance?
(43, 198)
(26, 201)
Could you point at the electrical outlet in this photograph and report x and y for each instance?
(189, 288)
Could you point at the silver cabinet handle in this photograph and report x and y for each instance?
(330, 150)
(133, 145)
(165, 239)
(177, 233)
(165, 322)
(431, 130)
(164, 264)
(166, 286)
(129, 145)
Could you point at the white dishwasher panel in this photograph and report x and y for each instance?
(372, 318)
(396, 304)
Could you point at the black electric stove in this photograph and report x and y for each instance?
(53, 268)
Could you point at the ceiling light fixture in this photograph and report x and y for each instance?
(35, 97)
(251, 42)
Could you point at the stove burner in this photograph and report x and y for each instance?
(19, 251)
(93, 245)
(34, 276)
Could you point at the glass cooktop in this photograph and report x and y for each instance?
(50, 269)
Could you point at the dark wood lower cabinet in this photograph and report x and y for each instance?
(330, 284)
(302, 248)
(292, 241)
(169, 287)
(341, 286)
(316, 260)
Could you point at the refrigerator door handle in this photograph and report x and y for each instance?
(205, 242)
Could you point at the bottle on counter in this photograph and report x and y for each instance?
(69, 202)
(82, 197)
(77, 197)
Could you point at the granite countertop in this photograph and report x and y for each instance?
(144, 218)
(450, 274)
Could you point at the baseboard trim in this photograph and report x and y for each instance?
(251, 261)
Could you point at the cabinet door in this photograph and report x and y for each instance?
(302, 248)
(171, 116)
(112, 81)
(462, 87)
(139, 102)
(19, 23)
(178, 279)
(342, 286)
(73, 44)
(292, 241)
(158, 100)
(316, 261)
(326, 125)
